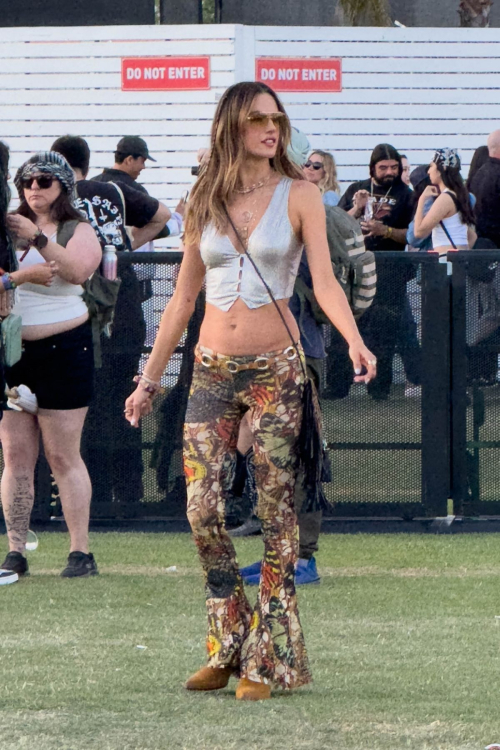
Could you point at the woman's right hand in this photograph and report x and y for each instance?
(430, 191)
(138, 405)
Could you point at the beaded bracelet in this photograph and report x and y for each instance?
(7, 282)
(148, 385)
(148, 380)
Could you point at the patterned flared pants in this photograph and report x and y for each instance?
(265, 644)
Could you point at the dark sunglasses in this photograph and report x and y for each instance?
(43, 181)
(262, 118)
(314, 164)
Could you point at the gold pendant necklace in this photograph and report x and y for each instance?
(244, 219)
(256, 186)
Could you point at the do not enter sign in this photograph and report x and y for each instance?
(300, 74)
(165, 73)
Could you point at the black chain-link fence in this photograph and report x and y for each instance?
(388, 440)
(475, 391)
(424, 431)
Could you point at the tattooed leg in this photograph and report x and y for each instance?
(20, 444)
(17, 510)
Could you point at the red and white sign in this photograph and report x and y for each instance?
(300, 74)
(165, 73)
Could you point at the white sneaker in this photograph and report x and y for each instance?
(8, 576)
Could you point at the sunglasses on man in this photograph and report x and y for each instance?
(43, 181)
(314, 164)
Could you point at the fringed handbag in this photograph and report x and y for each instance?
(310, 450)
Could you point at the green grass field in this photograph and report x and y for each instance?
(403, 635)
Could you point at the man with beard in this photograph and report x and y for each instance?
(391, 207)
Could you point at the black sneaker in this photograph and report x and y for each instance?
(80, 565)
(13, 567)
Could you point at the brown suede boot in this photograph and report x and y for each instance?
(209, 678)
(248, 690)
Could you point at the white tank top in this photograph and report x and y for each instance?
(456, 229)
(38, 304)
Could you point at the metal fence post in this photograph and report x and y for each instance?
(435, 387)
(458, 384)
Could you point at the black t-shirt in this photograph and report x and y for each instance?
(486, 187)
(102, 204)
(393, 207)
(117, 175)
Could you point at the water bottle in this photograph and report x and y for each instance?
(109, 263)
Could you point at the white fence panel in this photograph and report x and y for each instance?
(409, 87)
(55, 81)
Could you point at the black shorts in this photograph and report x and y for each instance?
(59, 369)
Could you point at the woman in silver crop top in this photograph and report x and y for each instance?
(451, 209)
(57, 359)
(244, 363)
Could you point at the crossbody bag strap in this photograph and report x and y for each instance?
(448, 235)
(454, 199)
(267, 288)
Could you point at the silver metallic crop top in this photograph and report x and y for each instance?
(272, 245)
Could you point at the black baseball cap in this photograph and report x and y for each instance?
(133, 145)
(418, 175)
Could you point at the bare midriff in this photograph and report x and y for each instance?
(444, 249)
(34, 333)
(242, 330)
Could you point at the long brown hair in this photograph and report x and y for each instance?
(220, 175)
(329, 181)
(61, 210)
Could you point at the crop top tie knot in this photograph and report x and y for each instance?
(273, 246)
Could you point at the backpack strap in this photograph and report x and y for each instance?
(122, 198)
(128, 234)
(65, 231)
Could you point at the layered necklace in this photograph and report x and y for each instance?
(246, 216)
(255, 186)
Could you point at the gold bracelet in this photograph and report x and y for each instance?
(388, 232)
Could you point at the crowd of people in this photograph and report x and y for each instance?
(255, 223)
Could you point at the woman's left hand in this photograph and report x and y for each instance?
(362, 357)
(21, 226)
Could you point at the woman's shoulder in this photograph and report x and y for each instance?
(305, 196)
(81, 230)
(448, 198)
(304, 188)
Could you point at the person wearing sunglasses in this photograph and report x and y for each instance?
(251, 208)
(57, 363)
(321, 170)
